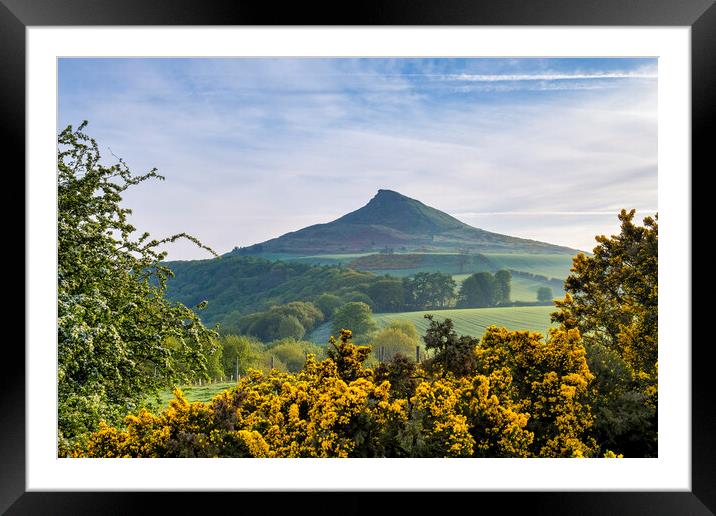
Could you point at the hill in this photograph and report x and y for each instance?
(246, 284)
(393, 221)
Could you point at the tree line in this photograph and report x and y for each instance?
(238, 286)
(423, 291)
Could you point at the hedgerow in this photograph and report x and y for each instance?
(524, 399)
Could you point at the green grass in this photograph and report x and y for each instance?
(474, 321)
(320, 334)
(550, 265)
(525, 289)
(468, 321)
(322, 259)
(196, 392)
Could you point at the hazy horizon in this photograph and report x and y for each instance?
(545, 149)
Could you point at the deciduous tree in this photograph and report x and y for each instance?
(612, 298)
(113, 318)
(357, 317)
(544, 294)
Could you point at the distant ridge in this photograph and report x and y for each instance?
(397, 222)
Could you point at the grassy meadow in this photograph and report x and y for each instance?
(468, 321)
(203, 393)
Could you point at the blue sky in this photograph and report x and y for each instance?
(548, 149)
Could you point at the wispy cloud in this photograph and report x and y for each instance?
(550, 76)
(544, 213)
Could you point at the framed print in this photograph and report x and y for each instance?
(344, 169)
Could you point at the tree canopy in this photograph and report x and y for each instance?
(478, 291)
(113, 318)
(357, 317)
(612, 299)
(427, 290)
(544, 294)
(612, 296)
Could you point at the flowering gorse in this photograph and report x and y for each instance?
(525, 400)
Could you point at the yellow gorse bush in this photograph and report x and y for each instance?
(525, 400)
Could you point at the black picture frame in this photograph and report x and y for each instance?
(700, 15)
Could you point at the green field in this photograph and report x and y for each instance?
(468, 321)
(322, 259)
(550, 265)
(525, 289)
(196, 392)
(473, 321)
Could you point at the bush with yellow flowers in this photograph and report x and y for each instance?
(524, 399)
(547, 379)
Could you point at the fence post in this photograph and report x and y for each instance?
(271, 361)
(382, 353)
(237, 368)
(417, 354)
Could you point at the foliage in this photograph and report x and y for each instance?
(407, 328)
(290, 328)
(392, 341)
(294, 353)
(544, 294)
(235, 285)
(623, 415)
(357, 316)
(113, 318)
(549, 380)
(357, 297)
(387, 294)
(328, 304)
(503, 279)
(407, 340)
(338, 408)
(613, 294)
(269, 362)
(281, 321)
(231, 323)
(239, 351)
(478, 291)
(402, 374)
(347, 357)
(612, 298)
(427, 290)
(215, 362)
(450, 353)
(483, 289)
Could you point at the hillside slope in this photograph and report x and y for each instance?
(392, 220)
(243, 284)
